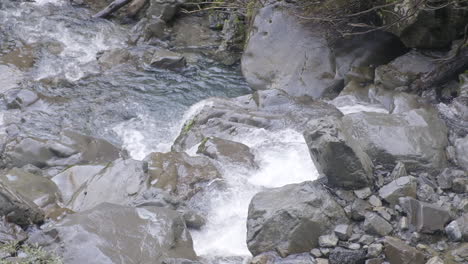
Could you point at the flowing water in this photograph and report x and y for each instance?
(55, 46)
(51, 47)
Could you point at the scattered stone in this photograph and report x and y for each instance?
(363, 193)
(359, 208)
(328, 241)
(459, 254)
(374, 261)
(374, 224)
(435, 260)
(457, 230)
(427, 218)
(366, 239)
(291, 219)
(10, 232)
(355, 237)
(403, 224)
(445, 178)
(374, 250)
(401, 187)
(375, 201)
(398, 171)
(322, 261)
(426, 193)
(316, 253)
(398, 252)
(460, 185)
(340, 160)
(343, 232)
(354, 246)
(347, 256)
(461, 150)
(383, 212)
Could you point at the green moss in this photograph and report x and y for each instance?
(202, 146)
(188, 126)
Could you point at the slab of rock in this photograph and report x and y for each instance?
(42, 191)
(119, 183)
(398, 252)
(347, 256)
(336, 156)
(113, 234)
(17, 208)
(376, 225)
(401, 187)
(426, 218)
(17, 99)
(328, 240)
(227, 151)
(291, 219)
(180, 174)
(71, 179)
(389, 138)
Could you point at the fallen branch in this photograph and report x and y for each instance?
(114, 6)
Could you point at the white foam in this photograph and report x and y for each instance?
(350, 109)
(283, 158)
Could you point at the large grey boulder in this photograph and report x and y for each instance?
(119, 182)
(426, 218)
(272, 110)
(417, 138)
(290, 219)
(402, 187)
(313, 67)
(180, 174)
(17, 208)
(118, 234)
(42, 191)
(398, 252)
(337, 156)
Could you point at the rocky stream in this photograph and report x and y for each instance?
(170, 135)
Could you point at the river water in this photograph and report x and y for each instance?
(55, 46)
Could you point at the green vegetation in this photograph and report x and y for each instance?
(27, 254)
(188, 126)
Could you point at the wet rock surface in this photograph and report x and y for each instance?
(151, 235)
(278, 221)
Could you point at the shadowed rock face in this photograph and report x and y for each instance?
(117, 234)
(337, 156)
(290, 219)
(17, 208)
(313, 67)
